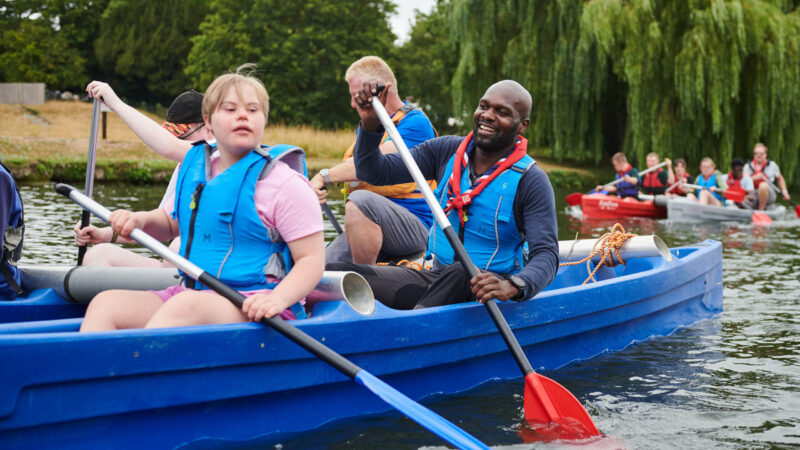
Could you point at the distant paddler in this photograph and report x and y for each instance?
(655, 182)
(763, 172)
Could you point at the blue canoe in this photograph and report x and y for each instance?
(167, 387)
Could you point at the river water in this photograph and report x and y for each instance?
(729, 382)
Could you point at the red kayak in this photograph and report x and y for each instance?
(601, 206)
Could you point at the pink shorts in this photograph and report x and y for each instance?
(168, 293)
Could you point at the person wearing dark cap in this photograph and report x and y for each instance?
(185, 115)
(185, 122)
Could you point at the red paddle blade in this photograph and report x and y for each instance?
(553, 412)
(761, 219)
(735, 195)
(574, 199)
(797, 210)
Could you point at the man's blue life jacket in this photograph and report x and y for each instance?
(490, 236)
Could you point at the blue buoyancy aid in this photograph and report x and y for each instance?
(711, 182)
(10, 281)
(625, 189)
(220, 227)
(490, 234)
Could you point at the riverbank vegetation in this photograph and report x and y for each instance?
(684, 78)
(50, 142)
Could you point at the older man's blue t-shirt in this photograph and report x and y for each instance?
(415, 128)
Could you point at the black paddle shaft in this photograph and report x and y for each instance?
(312, 345)
(497, 317)
(85, 216)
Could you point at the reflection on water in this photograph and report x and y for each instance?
(729, 382)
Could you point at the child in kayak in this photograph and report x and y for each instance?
(712, 182)
(681, 177)
(240, 215)
(629, 186)
(656, 182)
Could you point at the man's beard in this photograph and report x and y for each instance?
(499, 143)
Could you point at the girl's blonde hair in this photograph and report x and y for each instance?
(218, 88)
(371, 68)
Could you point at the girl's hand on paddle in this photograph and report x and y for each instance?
(486, 286)
(103, 92)
(363, 102)
(123, 221)
(259, 306)
(92, 235)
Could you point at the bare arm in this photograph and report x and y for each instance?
(782, 184)
(670, 173)
(344, 172)
(309, 263)
(156, 223)
(151, 133)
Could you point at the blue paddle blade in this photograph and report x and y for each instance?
(418, 413)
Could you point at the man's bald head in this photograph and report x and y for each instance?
(516, 93)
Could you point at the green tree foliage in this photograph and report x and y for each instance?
(143, 46)
(684, 78)
(48, 41)
(302, 50)
(423, 66)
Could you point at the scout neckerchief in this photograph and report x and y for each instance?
(459, 201)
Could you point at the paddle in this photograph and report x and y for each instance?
(574, 199)
(778, 192)
(331, 218)
(423, 416)
(732, 194)
(546, 402)
(90, 172)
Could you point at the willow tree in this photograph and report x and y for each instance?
(684, 78)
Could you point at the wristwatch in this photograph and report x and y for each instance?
(326, 175)
(518, 283)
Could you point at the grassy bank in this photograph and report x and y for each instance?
(50, 142)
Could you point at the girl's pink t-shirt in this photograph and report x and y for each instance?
(285, 201)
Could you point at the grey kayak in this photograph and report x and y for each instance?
(683, 210)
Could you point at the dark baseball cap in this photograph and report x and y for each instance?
(184, 113)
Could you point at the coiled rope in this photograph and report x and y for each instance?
(606, 246)
(405, 263)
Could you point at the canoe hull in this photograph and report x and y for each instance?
(239, 381)
(600, 206)
(681, 210)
